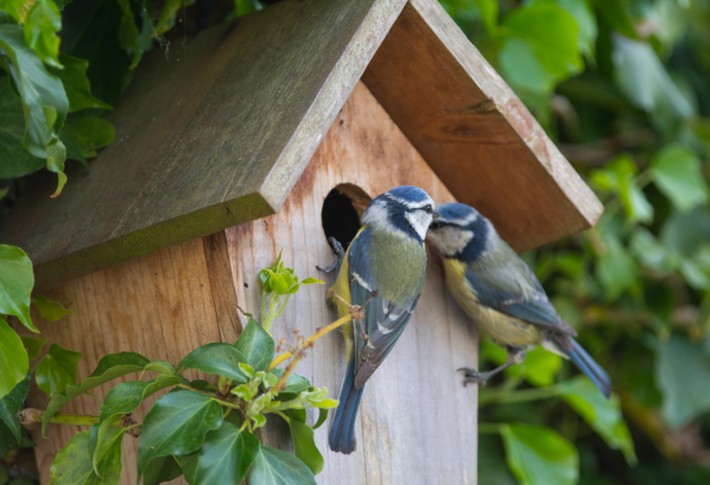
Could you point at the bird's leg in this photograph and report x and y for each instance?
(339, 253)
(472, 375)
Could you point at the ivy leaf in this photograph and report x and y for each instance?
(603, 415)
(135, 39)
(304, 445)
(10, 406)
(645, 81)
(584, 16)
(166, 21)
(110, 367)
(72, 465)
(294, 383)
(256, 345)
(107, 439)
(84, 135)
(540, 46)
(539, 367)
(41, 26)
(50, 310)
(616, 271)
(16, 282)
(163, 469)
(44, 101)
(537, 455)
(33, 346)
(125, 397)
(77, 85)
(57, 370)
(276, 467)
(682, 373)
(677, 173)
(226, 456)
(177, 425)
(216, 358)
(13, 359)
(15, 161)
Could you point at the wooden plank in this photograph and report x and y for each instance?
(417, 423)
(162, 305)
(474, 132)
(211, 133)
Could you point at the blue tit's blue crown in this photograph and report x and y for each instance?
(406, 209)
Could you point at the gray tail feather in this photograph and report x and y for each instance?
(591, 369)
(342, 430)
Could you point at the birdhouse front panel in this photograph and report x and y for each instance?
(417, 422)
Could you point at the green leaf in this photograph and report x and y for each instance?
(226, 456)
(84, 135)
(16, 283)
(322, 416)
(44, 101)
(135, 39)
(15, 161)
(13, 359)
(294, 383)
(682, 373)
(537, 455)
(177, 425)
(256, 345)
(163, 469)
(677, 173)
(312, 281)
(72, 465)
(10, 406)
(216, 358)
(125, 397)
(109, 63)
(616, 271)
(57, 370)
(41, 26)
(167, 15)
(50, 310)
(110, 367)
(649, 250)
(107, 439)
(584, 16)
(305, 446)
(603, 415)
(645, 81)
(539, 367)
(77, 85)
(540, 37)
(276, 467)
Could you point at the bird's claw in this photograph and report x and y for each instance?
(473, 376)
(339, 253)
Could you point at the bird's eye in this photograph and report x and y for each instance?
(428, 209)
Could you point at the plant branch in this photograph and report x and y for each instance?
(30, 416)
(311, 340)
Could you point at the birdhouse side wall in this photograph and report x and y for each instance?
(417, 423)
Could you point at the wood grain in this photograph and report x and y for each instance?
(417, 423)
(212, 132)
(474, 132)
(162, 306)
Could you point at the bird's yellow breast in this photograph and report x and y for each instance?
(504, 329)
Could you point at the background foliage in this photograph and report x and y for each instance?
(622, 88)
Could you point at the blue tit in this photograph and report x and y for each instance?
(501, 294)
(383, 272)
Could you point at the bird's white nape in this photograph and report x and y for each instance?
(420, 221)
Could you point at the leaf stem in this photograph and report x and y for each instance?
(30, 416)
(311, 340)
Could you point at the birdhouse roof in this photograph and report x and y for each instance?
(216, 130)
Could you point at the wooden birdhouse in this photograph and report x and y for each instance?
(268, 134)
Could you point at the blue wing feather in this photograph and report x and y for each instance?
(515, 291)
(384, 321)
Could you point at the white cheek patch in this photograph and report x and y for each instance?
(420, 221)
(452, 240)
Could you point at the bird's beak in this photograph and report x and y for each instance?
(435, 215)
